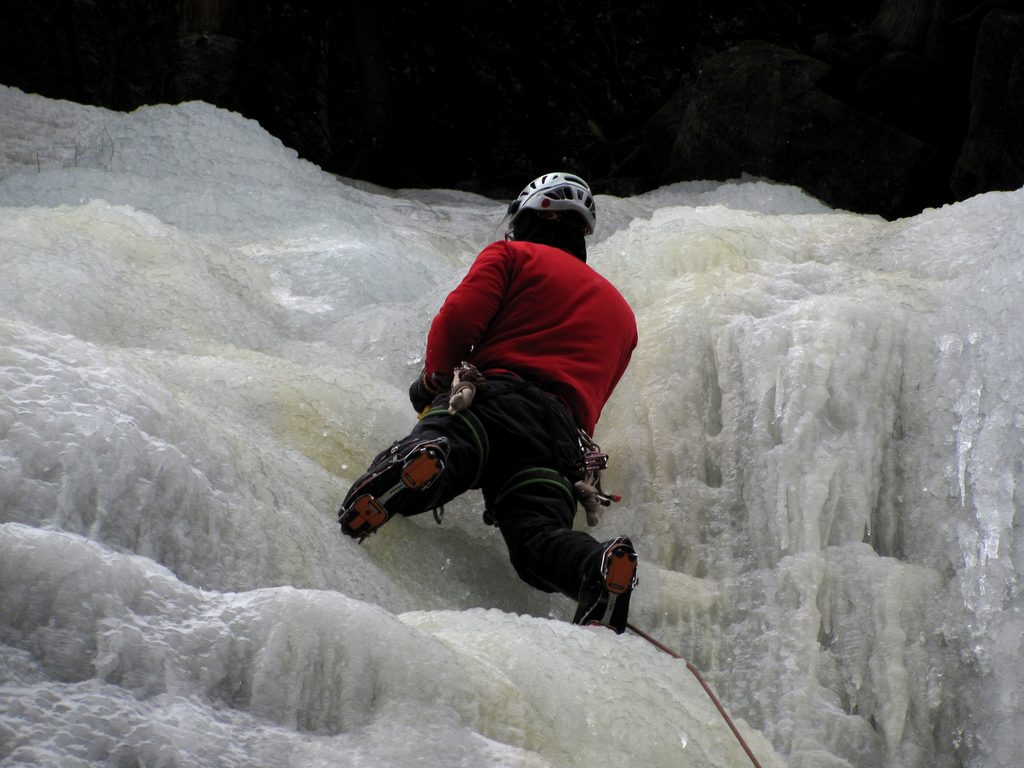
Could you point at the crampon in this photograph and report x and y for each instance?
(393, 485)
(605, 601)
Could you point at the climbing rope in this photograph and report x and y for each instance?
(696, 673)
(704, 685)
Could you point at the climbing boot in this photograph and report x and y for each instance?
(604, 598)
(395, 484)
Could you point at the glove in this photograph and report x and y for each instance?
(426, 387)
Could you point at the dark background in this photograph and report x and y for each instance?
(884, 107)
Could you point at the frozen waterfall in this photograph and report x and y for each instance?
(204, 339)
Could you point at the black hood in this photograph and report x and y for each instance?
(564, 232)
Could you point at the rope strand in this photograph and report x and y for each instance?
(704, 685)
(696, 673)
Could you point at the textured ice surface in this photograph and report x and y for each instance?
(204, 339)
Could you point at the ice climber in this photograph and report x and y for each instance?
(520, 360)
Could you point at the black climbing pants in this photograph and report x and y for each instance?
(520, 447)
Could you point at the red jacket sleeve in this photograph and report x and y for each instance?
(468, 310)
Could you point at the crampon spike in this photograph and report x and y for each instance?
(366, 516)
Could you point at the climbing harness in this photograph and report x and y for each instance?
(466, 381)
(707, 688)
(535, 476)
(476, 430)
(588, 490)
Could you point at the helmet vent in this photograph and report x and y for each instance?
(557, 192)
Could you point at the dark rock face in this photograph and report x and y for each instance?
(759, 109)
(993, 152)
(886, 107)
(208, 68)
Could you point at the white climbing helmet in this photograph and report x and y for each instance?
(556, 192)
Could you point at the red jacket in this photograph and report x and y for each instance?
(543, 314)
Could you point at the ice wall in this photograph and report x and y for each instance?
(203, 340)
(832, 443)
